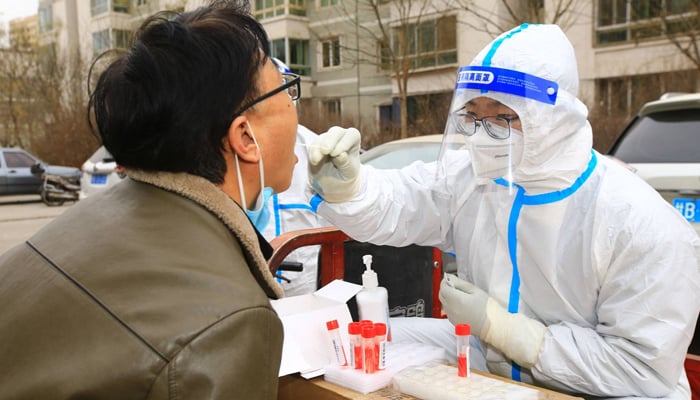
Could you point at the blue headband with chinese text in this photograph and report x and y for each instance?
(507, 81)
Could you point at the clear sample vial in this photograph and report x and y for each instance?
(463, 333)
(337, 342)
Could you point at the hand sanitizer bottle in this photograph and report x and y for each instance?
(373, 300)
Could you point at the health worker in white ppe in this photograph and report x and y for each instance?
(573, 272)
(289, 211)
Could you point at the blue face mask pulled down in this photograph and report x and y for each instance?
(261, 217)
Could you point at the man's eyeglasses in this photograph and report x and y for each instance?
(290, 82)
(498, 127)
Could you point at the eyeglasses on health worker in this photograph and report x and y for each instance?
(566, 260)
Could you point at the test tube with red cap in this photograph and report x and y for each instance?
(334, 332)
(369, 361)
(380, 347)
(463, 333)
(354, 331)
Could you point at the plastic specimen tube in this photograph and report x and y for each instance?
(334, 332)
(369, 360)
(354, 331)
(463, 333)
(380, 344)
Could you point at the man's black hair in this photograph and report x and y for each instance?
(167, 102)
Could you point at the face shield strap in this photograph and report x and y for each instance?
(507, 81)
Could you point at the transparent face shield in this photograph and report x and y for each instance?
(485, 120)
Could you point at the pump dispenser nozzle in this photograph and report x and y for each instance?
(369, 277)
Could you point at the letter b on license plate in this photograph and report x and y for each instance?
(689, 208)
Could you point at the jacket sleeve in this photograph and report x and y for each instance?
(236, 358)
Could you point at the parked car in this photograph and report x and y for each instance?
(17, 177)
(402, 152)
(662, 145)
(100, 171)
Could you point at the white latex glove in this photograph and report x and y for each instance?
(517, 336)
(334, 164)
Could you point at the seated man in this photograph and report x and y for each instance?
(159, 288)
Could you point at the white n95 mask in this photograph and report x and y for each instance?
(495, 158)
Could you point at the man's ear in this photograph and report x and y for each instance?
(240, 141)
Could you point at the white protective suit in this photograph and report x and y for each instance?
(290, 211)
(580, 243)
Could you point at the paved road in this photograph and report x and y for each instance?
(21, 216)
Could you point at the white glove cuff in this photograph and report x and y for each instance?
(338, 191)
(516, 335)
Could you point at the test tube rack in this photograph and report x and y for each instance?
(439, 381)
(398, 357)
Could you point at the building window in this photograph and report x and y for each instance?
(278, 49)
(141, 2)
(273, 8)
(327, 3)
(294, 53)
(98, 7)
(622, 20)
(121, 6)
(626, 95)
(299, 60)
(110, 39)
(384, 56)
(332, 110)
(100, 41)
(297, 7)
(330, 52)
(46, 18)
(430, 43)
(426, 112)
(121, 38)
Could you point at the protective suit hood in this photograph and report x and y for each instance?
(557, 137)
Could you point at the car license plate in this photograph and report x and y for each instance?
(689, 208)
(98, 179)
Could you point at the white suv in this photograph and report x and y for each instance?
(662, 145)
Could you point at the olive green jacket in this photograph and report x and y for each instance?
(154, 289)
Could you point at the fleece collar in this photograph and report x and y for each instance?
(209, 196)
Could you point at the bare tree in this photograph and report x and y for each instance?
(496, 17)
(386, 34)
(17, 63)
(43, 102)
(61, 108)
(619, 99)
(682, 28)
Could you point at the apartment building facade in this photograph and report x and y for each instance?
(342, 50)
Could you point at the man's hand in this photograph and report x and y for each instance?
(517, 336)
(334, 164)
(464, 303)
